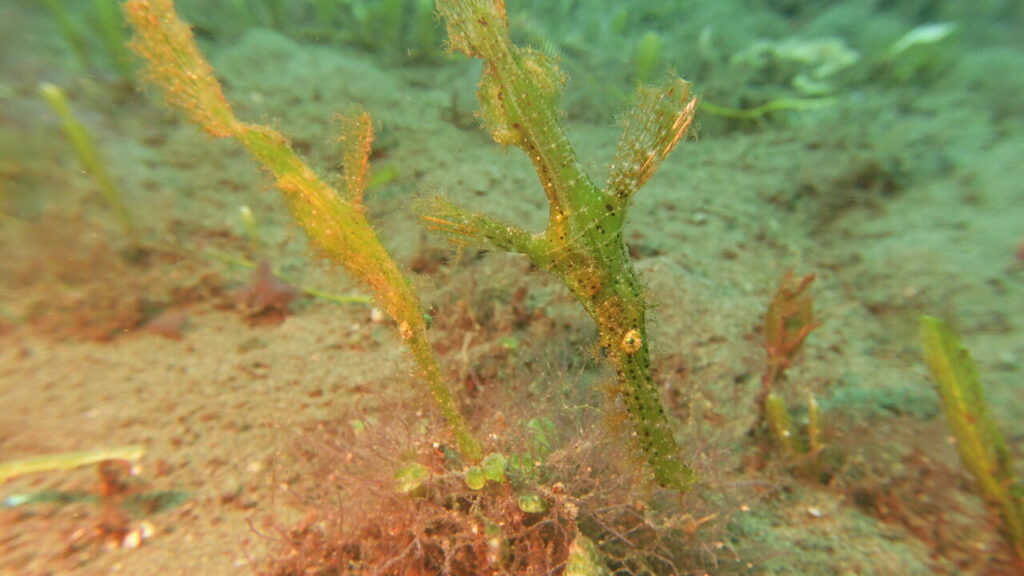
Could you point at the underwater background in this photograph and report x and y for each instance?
(155, 293)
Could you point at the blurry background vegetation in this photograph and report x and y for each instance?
(739, 54)
(724, 47)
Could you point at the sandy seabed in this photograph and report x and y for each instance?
(897, 214)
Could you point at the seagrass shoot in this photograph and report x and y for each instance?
(788, 322)
(99, 22)
(91, 160)
(582, 244)
(982, 447)
(334, 221)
